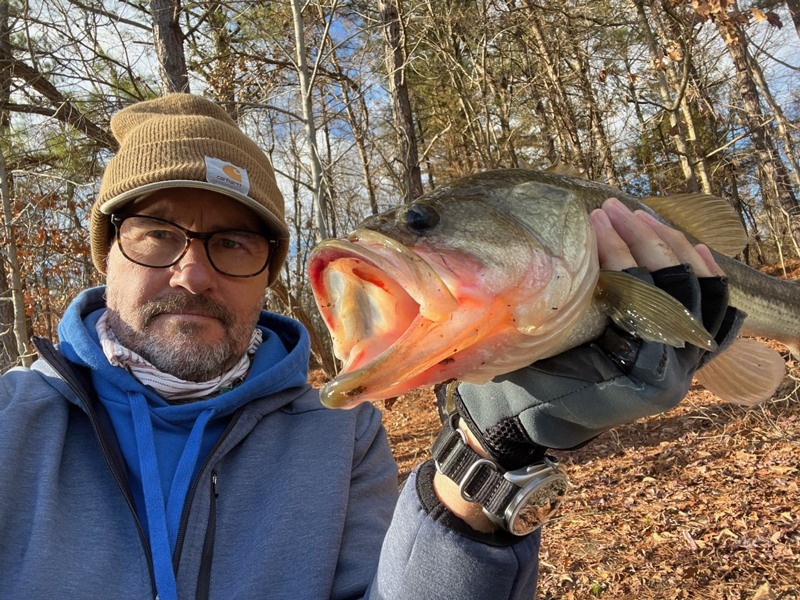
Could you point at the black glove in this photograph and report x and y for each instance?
(564, 401)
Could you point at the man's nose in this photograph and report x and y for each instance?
(194, 271)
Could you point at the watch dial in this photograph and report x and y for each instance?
(538, 506)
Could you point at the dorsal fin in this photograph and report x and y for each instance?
(710, 219)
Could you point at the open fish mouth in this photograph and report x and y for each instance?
(375, 295)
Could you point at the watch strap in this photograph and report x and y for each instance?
(480, 480)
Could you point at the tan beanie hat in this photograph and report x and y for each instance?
(181, 140)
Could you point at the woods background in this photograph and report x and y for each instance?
(364, 105)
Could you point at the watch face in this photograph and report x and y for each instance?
(537, 505)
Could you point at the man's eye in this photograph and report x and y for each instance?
(159, 234)
(229, 244)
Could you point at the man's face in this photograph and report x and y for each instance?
(188, 319)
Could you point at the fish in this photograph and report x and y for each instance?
(496, 270)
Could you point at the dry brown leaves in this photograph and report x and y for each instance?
(701, 502)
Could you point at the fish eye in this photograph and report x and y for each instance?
(420, 218)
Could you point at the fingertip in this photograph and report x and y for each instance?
(708, 259)
(612, 251)
(599, 218)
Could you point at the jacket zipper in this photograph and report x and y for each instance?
(193, 489)
(204, 577)
(51, 356)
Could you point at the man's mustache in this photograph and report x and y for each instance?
(186, 303)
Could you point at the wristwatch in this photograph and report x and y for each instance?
(519, 501)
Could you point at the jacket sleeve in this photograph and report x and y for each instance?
(430, 553)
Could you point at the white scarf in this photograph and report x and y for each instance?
(166, 385)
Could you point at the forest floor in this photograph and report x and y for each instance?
(702, 502)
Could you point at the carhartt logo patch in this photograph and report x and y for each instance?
(233, 172)
(220, 172)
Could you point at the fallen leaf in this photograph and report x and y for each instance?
(765, 593)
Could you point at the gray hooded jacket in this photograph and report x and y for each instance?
(295, 501)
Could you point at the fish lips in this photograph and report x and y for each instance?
(371, 289)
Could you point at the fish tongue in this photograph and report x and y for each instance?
(367, 310)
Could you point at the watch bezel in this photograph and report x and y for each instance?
(538, 479)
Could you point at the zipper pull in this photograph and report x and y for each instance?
(214, 485)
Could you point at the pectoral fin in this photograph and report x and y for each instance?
(649, 313)
(747, 372)
(708, 218)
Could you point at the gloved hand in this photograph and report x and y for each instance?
(566, 400)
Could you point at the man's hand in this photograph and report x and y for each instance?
(626, 240)
(566, 400)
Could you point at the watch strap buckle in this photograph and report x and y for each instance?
(473, 478)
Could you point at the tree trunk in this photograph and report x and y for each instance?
(647, 156)
(580, 67)
(9, 354)
(17, 297)
(679, 80)
(9, 298)
(394, 40)
(359, 133)
(295, 310)
(780, 119)
(308, 116)
(222, 78)
(562, 111)
(168, 41)
(775, 182)
(666, 97)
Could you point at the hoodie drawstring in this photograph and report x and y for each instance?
(163, 524)
(183, 475)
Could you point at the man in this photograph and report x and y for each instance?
(171, 447)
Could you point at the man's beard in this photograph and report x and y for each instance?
(177, 351)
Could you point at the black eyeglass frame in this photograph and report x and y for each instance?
(117, 219)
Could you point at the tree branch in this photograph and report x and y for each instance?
(110, 15)
(62, 108)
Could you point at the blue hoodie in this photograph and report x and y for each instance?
(164, 445)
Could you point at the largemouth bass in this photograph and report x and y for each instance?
(494, 271)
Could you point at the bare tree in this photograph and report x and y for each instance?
(396, 59)
(776, 184)
(168, 42)
(668, 100)
(306, 84)
(12, 258)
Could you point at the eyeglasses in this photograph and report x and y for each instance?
(158, 243)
